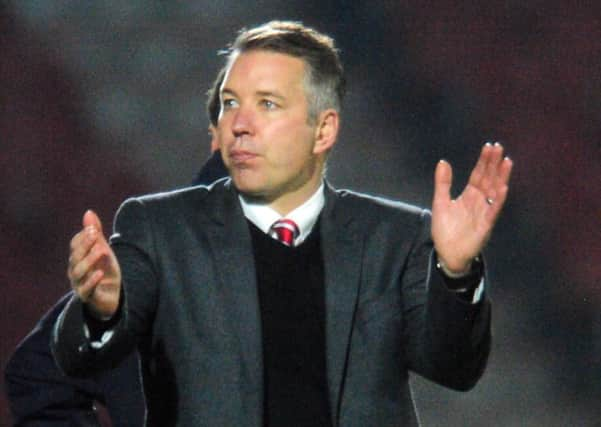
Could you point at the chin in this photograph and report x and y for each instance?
(247, 186)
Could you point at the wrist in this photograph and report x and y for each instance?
(463, 281)
(473, 266)
(454, 273)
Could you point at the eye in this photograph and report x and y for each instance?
(269, 104)
(229, 103)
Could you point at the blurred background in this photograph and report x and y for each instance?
(104, 100)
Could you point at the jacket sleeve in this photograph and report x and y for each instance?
(132, 242)
(448, 337)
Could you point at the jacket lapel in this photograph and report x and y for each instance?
(230, 241)
(342, 247)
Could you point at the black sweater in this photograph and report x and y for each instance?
(292, 301)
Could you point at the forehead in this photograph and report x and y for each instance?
(264, 70)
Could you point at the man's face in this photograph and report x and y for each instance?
(265, 137)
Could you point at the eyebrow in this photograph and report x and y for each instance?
(271, 94)
(267, 93)
(226, 90)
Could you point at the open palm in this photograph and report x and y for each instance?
(461, 227)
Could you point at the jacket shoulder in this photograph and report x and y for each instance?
(176, 206)
(378, 206)
(196, 196)
(185, 194)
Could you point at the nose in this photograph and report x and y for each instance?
(243, 122)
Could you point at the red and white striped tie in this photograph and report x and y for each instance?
(286, 231)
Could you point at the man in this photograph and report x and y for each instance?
(39, 394)
(236, 328)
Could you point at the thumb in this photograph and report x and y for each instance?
(90, 219)
(443, 178)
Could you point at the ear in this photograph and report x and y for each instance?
(214, 142)
(326, 131)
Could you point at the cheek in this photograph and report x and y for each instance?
(291, 142)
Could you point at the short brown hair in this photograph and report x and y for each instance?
(324, 77)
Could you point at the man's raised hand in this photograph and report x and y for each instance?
(93, 270)
(461, 227)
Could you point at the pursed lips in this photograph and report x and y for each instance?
(239, 157)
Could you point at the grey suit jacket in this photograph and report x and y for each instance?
(190, 305)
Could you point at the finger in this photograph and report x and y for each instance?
(496, 153)
(497, 205)
(501, 186)
(83, 241)
(504, 173)
(489, 179)
(80, 246)
(443, 179)
(500, 175)
(494, 160)
(80, 270)
(90, 219)
(86, 290)
(481, 166)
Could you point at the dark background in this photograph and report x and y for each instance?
(103, 100)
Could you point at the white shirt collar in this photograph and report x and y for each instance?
(305, 216)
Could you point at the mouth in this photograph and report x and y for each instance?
(241, 157)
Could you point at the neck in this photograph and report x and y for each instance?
(291, 201)
(293, 195)
(286, 203)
